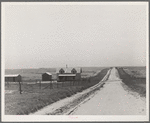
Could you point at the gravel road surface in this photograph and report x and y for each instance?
(112, 99)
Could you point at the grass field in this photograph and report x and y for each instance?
(138, 72)
(134, 78)
(33, 98)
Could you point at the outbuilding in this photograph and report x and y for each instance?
(46, 76)
(13, 78)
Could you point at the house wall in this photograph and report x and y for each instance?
(69, 78)
(9, 79)
(46, 77)
(66, 78)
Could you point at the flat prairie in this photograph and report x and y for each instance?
(35, 96)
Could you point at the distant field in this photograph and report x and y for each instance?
(90, 71)
(32, 75)
(135, 78)
(33, 98)
(138, 72)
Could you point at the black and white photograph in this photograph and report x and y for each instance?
(74, 61)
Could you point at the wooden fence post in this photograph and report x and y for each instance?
(40, 84)
(20, 87)
(57, 84)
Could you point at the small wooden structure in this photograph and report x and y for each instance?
(13, 78)
(46, 76)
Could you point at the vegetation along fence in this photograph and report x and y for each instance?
(39, 86)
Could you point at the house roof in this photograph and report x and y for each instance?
(67, 74)
(48, 73)
(68, 70)
(12, 75)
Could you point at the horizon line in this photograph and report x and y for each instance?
(77, 67)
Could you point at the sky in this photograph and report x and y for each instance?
(47, 36)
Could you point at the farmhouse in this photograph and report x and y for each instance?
(46, 76)
(13, 78)
(68, 74)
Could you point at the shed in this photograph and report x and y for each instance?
(13, 78)
(46, 76)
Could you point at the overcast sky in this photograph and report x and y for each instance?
(39, 36)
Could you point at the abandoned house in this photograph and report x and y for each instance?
(68, 74)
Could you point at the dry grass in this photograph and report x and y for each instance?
(30, 102)
(133, 79)
(138, 72)
(33, 98)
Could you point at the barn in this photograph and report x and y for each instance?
(46, 76)
(13, 78)
(68, 74)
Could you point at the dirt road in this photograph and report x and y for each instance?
(112, 99)
(66, 105)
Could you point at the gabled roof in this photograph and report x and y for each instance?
(68, 70)
(48, 73)
(12, 75)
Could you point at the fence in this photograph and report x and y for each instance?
(41, 85)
